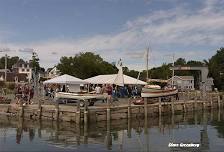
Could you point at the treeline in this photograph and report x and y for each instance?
(88, 64)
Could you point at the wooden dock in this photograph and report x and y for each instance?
(90, 114)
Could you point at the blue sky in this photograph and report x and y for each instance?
(192, 29)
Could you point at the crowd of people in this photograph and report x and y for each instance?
(24, 93)
(49, 90)
(114, 91)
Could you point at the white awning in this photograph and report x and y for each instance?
(65, 79)
(110, 79)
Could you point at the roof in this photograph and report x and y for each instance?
(109, 79)
(65, 79)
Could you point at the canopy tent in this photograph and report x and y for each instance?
(65, 79)
(110, 79)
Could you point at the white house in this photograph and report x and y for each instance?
(22, 67)
(183, 82)
(53, 72)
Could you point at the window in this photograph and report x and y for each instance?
(23, 70)
(27, 70)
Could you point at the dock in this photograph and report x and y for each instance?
(187, 102)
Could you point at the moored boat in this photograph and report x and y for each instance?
(79, 96)
(150, 93)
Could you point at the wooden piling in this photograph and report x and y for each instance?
(211, 100)
(146, 107)
(195, 103)
(108, 110)
(129, 109)
(129, 128)
(160, 107)
(219, 101)
(172, 105)
(78, 114)
(56, 111)
(21, 114)
(86, 113)
(39, 109)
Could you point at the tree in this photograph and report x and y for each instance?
(85, 65)
(180, 61)
(10, 61)
(216, 68)
(35, 63)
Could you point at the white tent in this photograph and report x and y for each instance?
(65, 79)
(110, 79)
(72, 82)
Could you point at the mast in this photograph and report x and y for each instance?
(147, 64)
(173, 71)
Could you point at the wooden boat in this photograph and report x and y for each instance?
(150, 93)
(79, 96)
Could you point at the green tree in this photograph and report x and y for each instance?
(35, 62)
(85, 65)
(216, 68)
(10, 61)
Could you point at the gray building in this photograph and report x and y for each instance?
(183, 83)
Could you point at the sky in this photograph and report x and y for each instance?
(114, 29)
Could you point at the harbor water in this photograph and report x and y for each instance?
(193, 131)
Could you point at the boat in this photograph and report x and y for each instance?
(152, 91)
(79, 96)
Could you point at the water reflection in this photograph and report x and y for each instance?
(152, 134)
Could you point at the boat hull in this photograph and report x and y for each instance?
(158, 93)
(77, 96)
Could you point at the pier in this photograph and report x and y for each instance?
(187, 102)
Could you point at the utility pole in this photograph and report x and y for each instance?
(5, 67)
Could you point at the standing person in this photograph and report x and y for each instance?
(98, 89)
(104, 91)
(109, 92)
(31, 94)
(63, 88)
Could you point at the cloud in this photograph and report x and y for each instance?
(180, 30)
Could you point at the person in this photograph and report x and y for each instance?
(31, 93)
(104, 92)
(63, 88)
(109, 92)
(98, 89)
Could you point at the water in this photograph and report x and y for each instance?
(154, 134)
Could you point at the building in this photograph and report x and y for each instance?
(208, 84)
(183, 83)
(22, 67)
(13, 77)
(52, 72)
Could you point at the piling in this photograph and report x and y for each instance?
(145, 107)
(160, 107)
(78, 114)
(86, 113)
(172, 105)
(39, 109)
(195, 102)
(219, 101)
(211, 100)
(129, 128)
(22, 111)
(129, 109)
(108, 110)
(56, 111)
